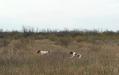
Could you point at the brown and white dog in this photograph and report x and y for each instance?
(74, 54)
(42, 52)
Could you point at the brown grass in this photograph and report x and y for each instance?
(19, 57)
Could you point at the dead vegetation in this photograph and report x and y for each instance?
(100, 53)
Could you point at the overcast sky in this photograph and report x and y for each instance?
(59, 14)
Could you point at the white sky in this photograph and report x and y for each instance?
(60, 14)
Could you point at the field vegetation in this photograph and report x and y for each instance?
(100, 52)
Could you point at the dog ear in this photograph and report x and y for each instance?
(38, 51)
(70, 52)
(79, 55)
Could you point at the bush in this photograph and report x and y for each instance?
(64, 41)
(4, 42)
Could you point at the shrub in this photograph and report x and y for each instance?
(64, 41)
(4, 42)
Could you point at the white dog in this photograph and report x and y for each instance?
(42, 52)
(75, 54)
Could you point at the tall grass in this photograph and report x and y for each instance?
(100, 54)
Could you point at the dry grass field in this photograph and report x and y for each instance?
(100, 56)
